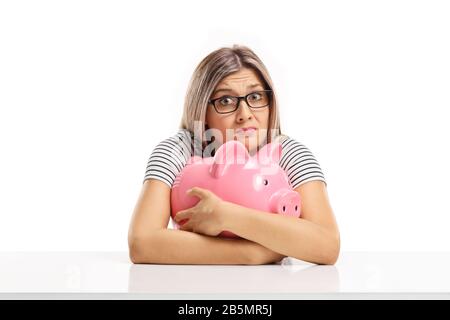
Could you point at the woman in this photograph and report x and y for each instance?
(231, 96)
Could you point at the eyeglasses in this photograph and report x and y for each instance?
(255, 100)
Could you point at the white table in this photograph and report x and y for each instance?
(99, 275)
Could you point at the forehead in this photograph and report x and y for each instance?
(243, 76)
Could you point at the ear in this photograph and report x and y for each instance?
(270, 152)
(231, 152)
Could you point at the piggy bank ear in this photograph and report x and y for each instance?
(231, 152)
(271, 152)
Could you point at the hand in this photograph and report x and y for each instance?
(205, 217)
(270, 256)
(265, 255)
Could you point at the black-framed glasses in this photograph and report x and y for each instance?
(255, 100)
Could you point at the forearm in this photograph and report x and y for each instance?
(290, 236)
(170, 246)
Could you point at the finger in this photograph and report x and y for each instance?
(187, 226)
(183, 214)
(199, 192)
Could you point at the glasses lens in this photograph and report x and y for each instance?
(226, 104)
(258, 99)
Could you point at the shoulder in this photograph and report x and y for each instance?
(180, 138)
(298, 161)
(288, 143)
(169, 156)
(178, 144)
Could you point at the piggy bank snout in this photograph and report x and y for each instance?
(286, 202)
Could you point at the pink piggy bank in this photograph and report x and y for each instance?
(256, 182)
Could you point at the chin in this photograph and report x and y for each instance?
(251, 144)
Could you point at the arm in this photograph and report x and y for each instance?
(169, 246)
(314, 237)
(150, 241)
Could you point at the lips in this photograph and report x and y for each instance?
(246, 130)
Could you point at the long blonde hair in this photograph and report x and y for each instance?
(207, 75)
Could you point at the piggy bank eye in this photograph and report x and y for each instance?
(265, 182)
(296, 208)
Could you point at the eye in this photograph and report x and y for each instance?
(226, 100)
(284, 208)
(296, 207)
(265, 182)
(255, 96)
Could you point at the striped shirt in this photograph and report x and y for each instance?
(170, 156)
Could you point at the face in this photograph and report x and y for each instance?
(240, 83)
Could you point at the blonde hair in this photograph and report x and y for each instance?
(207, 75)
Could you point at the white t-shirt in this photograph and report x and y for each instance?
(170, 156)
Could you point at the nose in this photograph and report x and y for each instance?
(243, 111)
(286, 202)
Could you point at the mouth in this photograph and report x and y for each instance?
(247, 131)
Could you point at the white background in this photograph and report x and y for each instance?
(88, 88)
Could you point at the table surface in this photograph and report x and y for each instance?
(88, 273)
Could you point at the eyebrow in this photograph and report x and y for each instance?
(254, 85)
